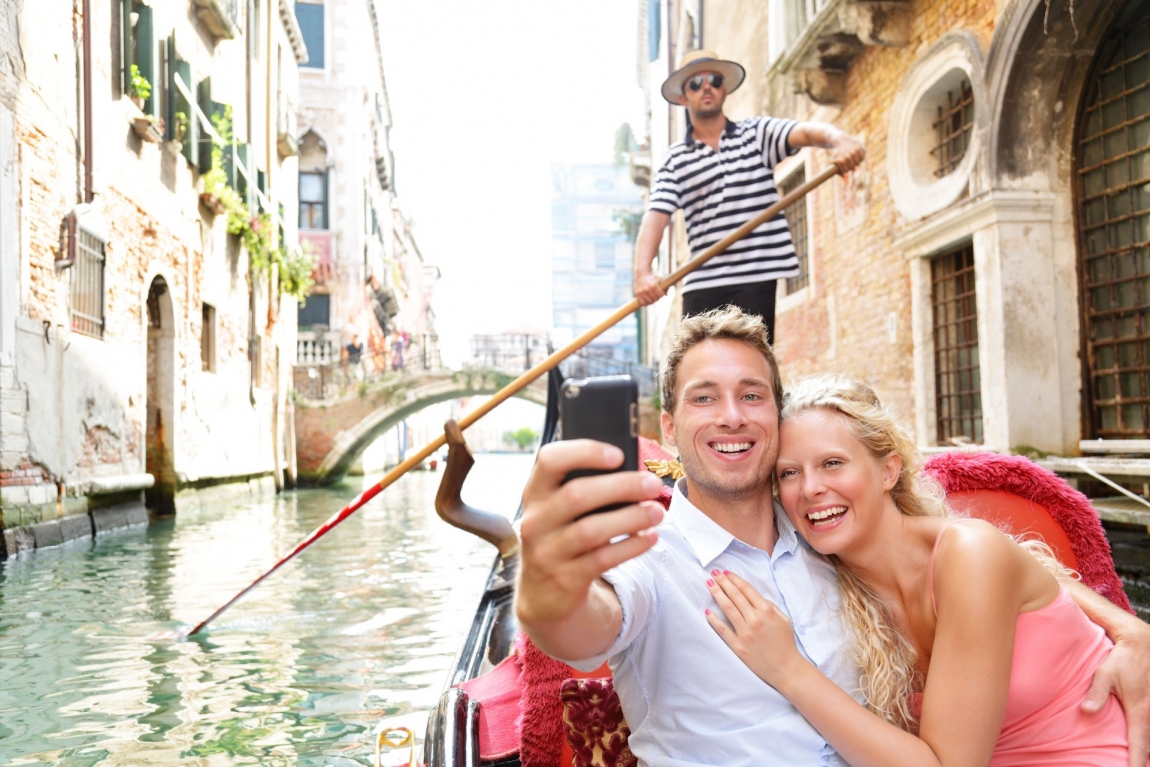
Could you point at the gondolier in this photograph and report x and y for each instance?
(721, 175)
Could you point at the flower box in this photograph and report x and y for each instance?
(212, 203)
(148, 129)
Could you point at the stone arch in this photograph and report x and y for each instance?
(349, 443)
(160, 400)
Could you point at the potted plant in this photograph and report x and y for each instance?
(149, 128)
(215, 196)
(138, 87)
(181, 126)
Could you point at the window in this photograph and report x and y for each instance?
(952, 129)
(87, 286)
(654, 27)
(958, 388)
(1114, 233)
(208, 340)
(138, 47)
(310, 17)
(797, 221)
(316, 311)
(312, 200)
(605, 255)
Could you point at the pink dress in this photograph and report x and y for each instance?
(1056, 650)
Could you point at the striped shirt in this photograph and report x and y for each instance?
(721, 191)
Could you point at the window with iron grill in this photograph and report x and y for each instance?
(958, 387)
(952, 129)
(797, 221)
(87, 286)
(1114, 233)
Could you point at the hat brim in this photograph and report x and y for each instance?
(733, 76)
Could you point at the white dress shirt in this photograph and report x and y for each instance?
(688, 699)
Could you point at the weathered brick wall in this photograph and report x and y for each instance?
(859, 274)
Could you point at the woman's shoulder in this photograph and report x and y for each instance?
(972, 551)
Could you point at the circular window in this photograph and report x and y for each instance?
(933, 136)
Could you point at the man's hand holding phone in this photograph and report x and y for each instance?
(561, 601)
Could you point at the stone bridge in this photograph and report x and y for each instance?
(330, 434)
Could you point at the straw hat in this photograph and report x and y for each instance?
(701, 61)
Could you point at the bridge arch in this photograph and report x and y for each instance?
(337, 432)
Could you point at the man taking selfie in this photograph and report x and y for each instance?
(607, 586)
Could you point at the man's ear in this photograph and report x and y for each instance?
(667, 421)
(891, 468)
(682, 99)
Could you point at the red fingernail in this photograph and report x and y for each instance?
(710, 582)
(726, 572)
(706, 612)
(715, 572)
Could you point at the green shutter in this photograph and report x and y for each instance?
(146, 56)
(326, 184)
(190, 149)
(207, 106)
(243, 180)
(126, 45)
(170, 101)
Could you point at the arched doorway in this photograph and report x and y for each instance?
(1112, 155)
(161, 398)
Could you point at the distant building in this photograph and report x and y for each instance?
(348, 206)
(142, 346)
(592, 256)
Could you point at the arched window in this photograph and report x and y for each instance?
(313, 182)
(1113, 175)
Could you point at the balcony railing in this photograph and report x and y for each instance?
(315, 347)
(335, 377)
(221, 17)
(287, 127)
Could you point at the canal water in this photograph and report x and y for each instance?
(360, 628)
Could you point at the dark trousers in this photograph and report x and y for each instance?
(753, 298)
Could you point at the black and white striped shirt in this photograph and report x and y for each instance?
(720, 191)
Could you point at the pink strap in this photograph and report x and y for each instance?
(930, 569)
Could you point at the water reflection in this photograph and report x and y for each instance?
(361, 626)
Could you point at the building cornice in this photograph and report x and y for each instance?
(294, 33)
(960, 221)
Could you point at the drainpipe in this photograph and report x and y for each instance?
(271, 97)
(702, 5)
(87, 10)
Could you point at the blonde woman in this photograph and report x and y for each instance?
(970, 652)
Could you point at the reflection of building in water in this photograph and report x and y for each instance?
(591, 255)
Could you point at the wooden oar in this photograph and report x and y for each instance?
(519, 383)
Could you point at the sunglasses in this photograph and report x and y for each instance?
(713, 79)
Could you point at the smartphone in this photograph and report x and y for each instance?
(606, 409)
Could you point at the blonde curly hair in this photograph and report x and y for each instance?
(886, 658)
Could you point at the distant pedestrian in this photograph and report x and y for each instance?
(353, 351)
(722, 175)
(397, 347)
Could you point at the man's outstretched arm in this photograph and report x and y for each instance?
(1125, 672)
(846, 152)
(561, 601)
(647, 288)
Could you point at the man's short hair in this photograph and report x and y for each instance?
(728, 322)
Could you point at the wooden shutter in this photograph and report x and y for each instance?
(126, 46)
(146, 56)
(177, 66)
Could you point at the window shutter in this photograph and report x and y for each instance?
(146, 56)
(204, 101)
(310, 18)
(126, 45)
(323, 224)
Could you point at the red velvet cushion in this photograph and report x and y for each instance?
(596, 730)
(1017, 516)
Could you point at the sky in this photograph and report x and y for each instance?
(485, 96)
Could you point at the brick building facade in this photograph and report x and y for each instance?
(986, 268)
(139, 352)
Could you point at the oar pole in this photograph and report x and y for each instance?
(513, 388)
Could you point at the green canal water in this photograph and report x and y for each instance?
(358, 629)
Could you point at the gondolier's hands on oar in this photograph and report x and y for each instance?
(561, 601)
(647, 287)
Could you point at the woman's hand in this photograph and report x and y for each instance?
(759, 633)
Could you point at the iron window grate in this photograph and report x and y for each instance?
(1114, 234)
(952, 129)
(87, 285)
(958, 386)
(797, 221)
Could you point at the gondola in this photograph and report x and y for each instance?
(497, 676)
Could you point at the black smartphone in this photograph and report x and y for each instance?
(605, 408)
